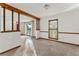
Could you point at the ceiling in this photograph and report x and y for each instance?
(38, 9)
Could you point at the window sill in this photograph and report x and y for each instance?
(10, 31)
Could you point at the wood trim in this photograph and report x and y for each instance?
(18, 10)
(65, 42)
(53, 38)
(43, 38)
(9, 31)
(44, 31)
(3, 19)
(13, 9)
(68, 33)
(12, 20)
(23, 35)
(52, 29)
(18, 28)
(59, 41)
(53, 20)
(38, 24)
(12, 27)
(10, 50)
(63, 32)
(33, 36)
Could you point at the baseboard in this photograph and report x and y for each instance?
(34, 36)
(28, 35)
(60, 41)
(43, 38)
(10, 49)
(23, 34)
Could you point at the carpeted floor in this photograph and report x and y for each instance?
(42, 47)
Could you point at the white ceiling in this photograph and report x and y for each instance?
(38, 9)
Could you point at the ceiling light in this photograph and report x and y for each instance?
(46, 6)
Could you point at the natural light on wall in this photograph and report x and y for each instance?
(15, 20)
(1, 21)
(8, 22)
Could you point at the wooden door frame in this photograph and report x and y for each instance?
(49, 29)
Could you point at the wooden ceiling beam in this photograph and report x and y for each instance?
(17, 10)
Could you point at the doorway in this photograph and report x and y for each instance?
(53, 29)
(26, 28)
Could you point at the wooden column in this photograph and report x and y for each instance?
(3, 19)
(18, 25)
(12, 20)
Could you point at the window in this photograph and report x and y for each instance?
(37, 24)
(53, 29)
(1, 19)
(10, 21)
(15, 23)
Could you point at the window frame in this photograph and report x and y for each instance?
(12, 21)
(52, 29)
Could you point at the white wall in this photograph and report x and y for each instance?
(44, 27)
(67, 22)
(9, 40)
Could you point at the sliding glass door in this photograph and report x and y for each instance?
(26, 28)
(53, 29)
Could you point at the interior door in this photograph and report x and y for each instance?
(53, 29)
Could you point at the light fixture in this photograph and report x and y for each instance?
(46, 6)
